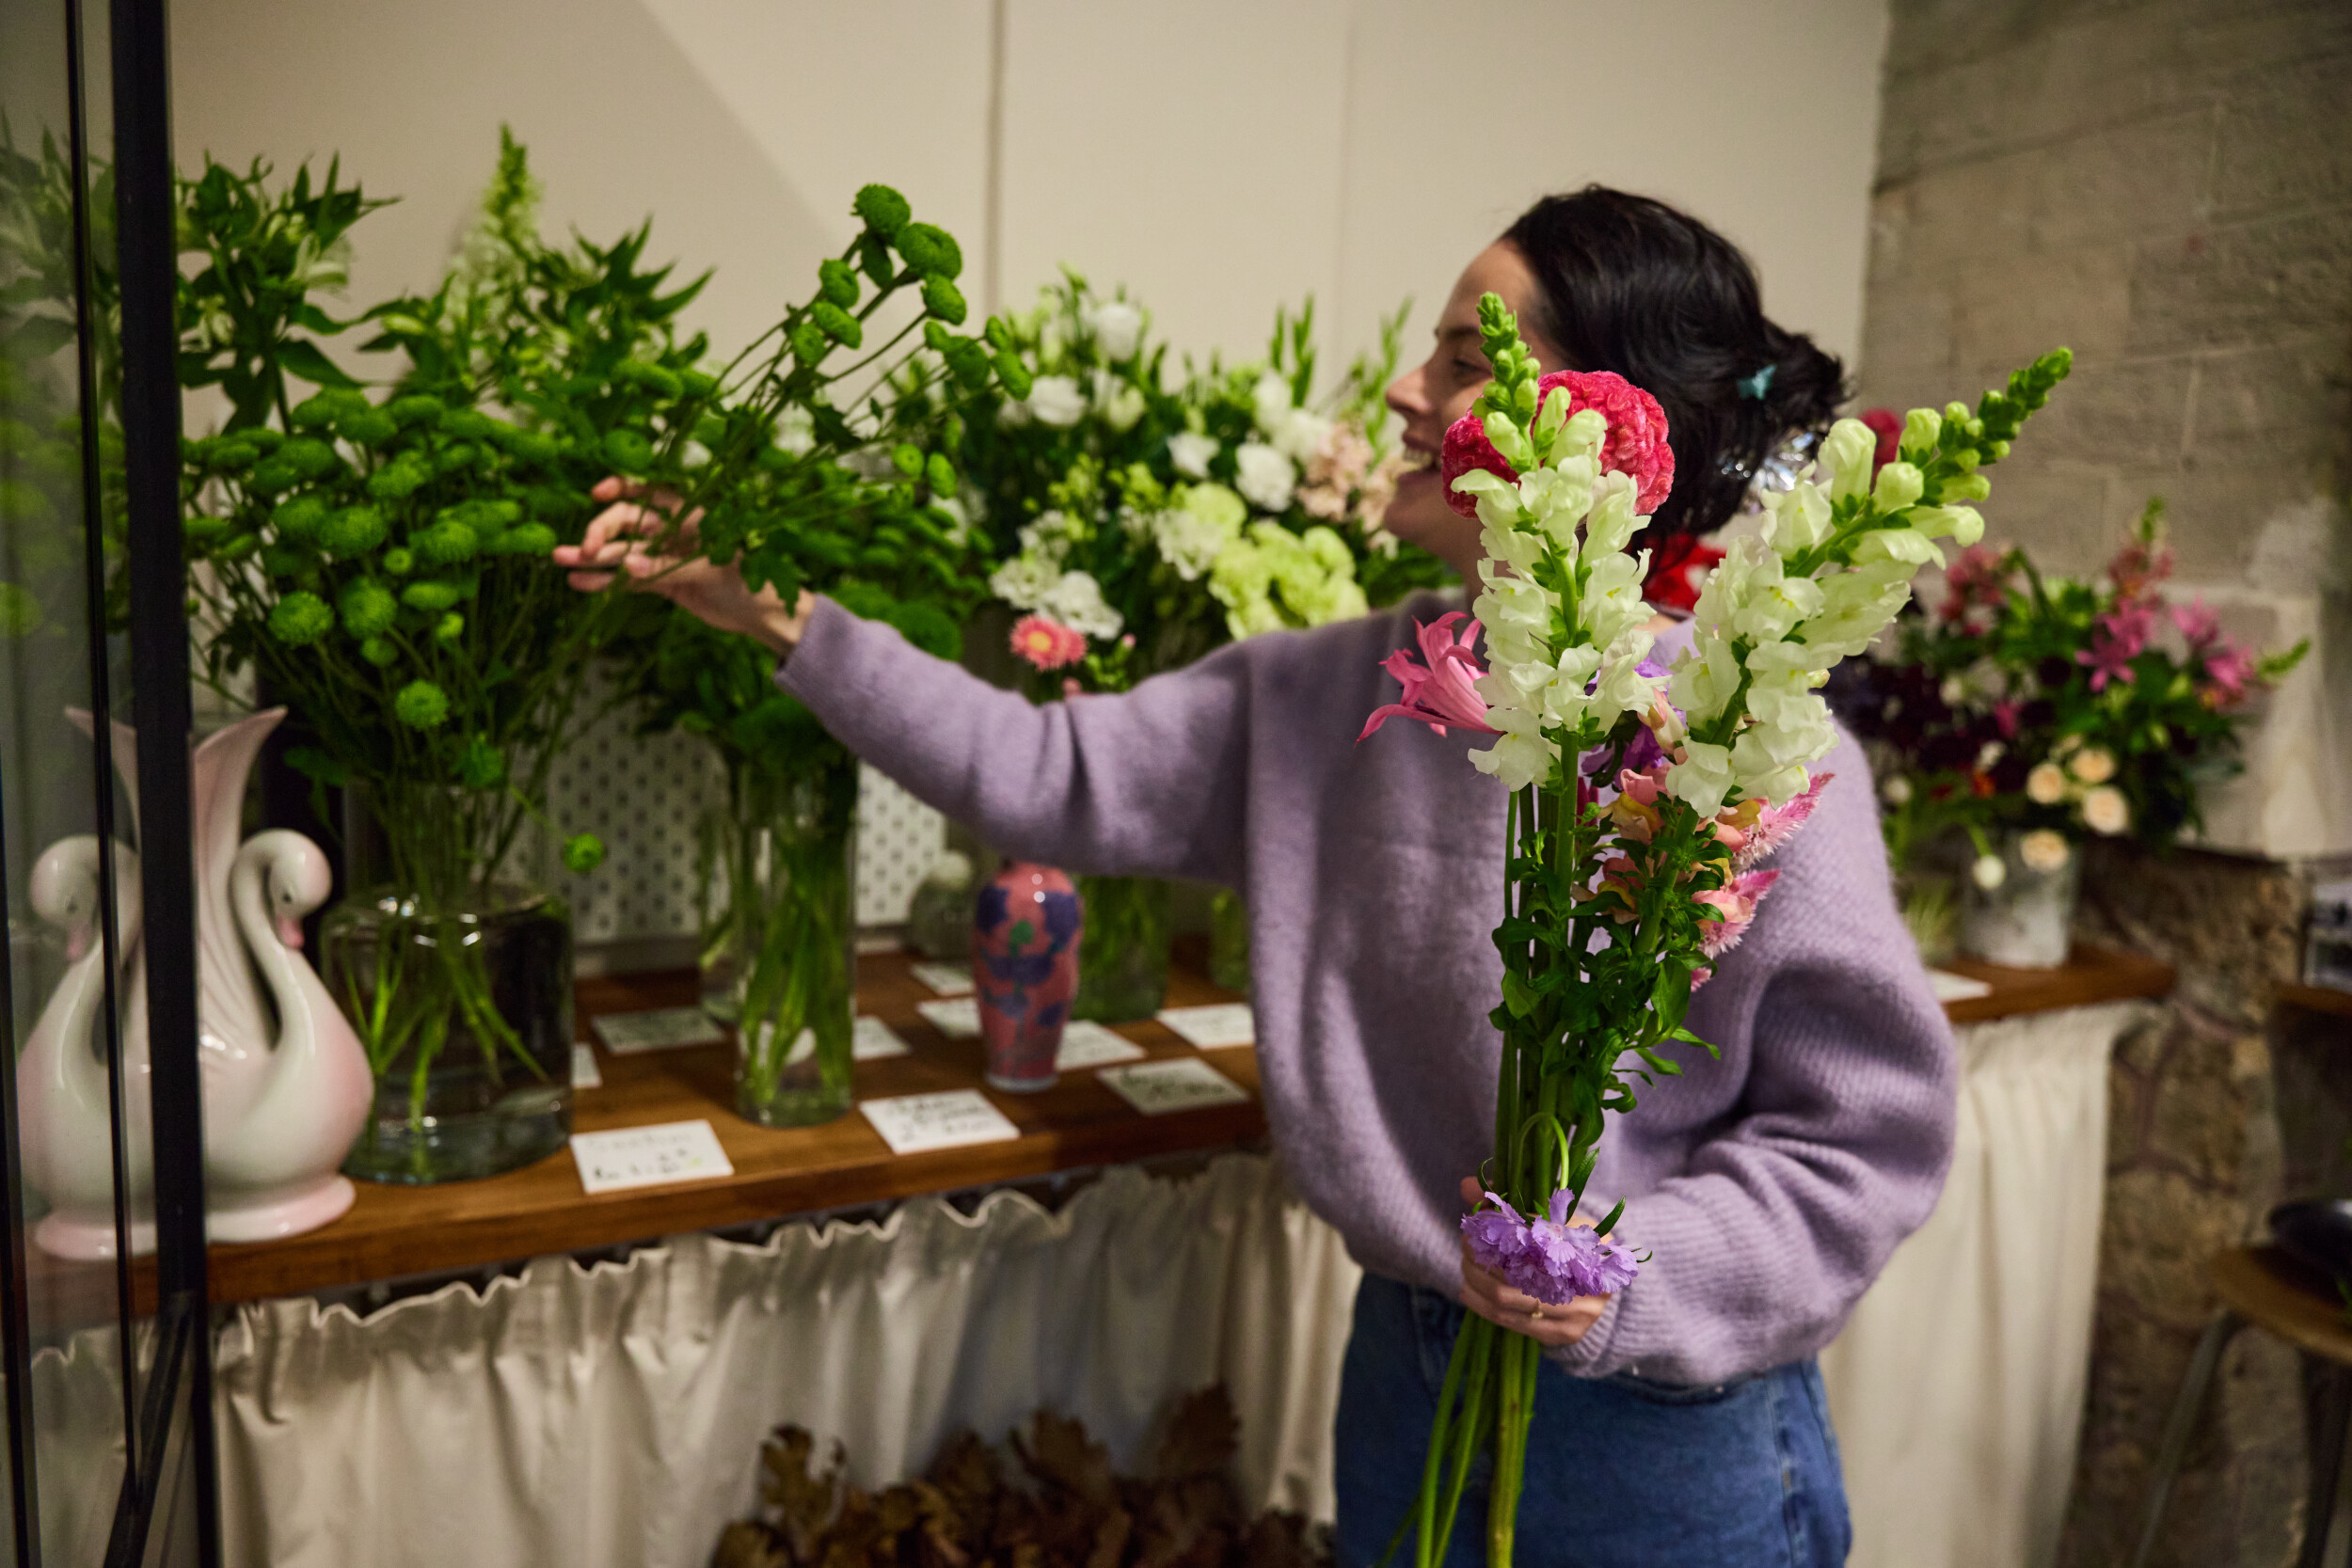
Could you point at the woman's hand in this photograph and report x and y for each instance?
(619, 544)
(1485, 1294)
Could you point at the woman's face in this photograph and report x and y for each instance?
(1440, 390)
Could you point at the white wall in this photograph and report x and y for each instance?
(1217, 155)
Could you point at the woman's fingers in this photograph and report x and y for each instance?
(1472, 1190)
(1514, 1309)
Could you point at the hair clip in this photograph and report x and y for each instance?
(1754, 387)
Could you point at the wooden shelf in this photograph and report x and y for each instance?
(2315, 999)
(395, 1231)
(2090, 975)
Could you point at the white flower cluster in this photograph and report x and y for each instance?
(1036, 579)
(1563, 603)
(1774, 616)
(2077, 775)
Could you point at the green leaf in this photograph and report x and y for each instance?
(303, 359)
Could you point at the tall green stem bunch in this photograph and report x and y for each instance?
(1642, 798)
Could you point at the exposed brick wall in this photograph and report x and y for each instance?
(2165, 187)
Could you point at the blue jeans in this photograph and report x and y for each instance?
(1620, 1470)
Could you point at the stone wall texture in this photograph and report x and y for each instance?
(2165, 187)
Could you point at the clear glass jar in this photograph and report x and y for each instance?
(1122, 959)
(466, 1014)
(2025, 920)
(781, 943)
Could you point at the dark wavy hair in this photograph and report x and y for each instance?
(1628, 284)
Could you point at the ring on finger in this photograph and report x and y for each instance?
(1535, 1310)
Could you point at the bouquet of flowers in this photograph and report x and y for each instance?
(1642, 798)
(2042, 711)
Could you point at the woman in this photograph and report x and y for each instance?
(1681, 1420)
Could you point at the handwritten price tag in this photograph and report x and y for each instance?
(1085, 1044)
(944, 979)
(625, 1034)
(913, 1123)
(1213, 1027)
(1180, 1084)
(873, 1040)
(584, 1073)
(958, 1019)
(649, 1156)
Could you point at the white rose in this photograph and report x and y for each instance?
(2046, 785)
(1192, 452)
(2042, 850)
(2105, 811)
(1117, 325)
(1896, 791)
(1270, 400)
(1055, 400)
(1988, 873)
(2093, 765)
(1263, 476)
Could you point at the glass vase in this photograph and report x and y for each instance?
(1122, 961)
(454, 966)
(782, 944)
(2023, 922)
(1229, 941)
(466, 1015)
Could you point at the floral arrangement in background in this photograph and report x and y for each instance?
(2050, 711)
(1642, 798)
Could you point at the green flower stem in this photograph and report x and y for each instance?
(788, 920)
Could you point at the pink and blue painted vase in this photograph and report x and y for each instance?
(1025, 929)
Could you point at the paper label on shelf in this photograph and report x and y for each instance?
(1213, 1027)
(944, 979)
(1956, 988)
(625, 1034)
(913, 1123)
(629, 1157)
(874, 1039)
(1180, 1084)
(1085, 1044)
(958, 1018)
(584, 1073)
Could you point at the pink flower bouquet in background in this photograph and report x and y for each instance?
(1642, 796)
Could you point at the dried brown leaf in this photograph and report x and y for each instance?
(749, 1544)
(1202, 1436)
(1058, 1453)
(1110, 1539)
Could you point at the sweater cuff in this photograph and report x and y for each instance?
(816, 660)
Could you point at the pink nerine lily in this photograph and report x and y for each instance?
(1444, 692)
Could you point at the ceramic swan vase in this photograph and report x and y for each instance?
(280, 1112)
(64, 1115)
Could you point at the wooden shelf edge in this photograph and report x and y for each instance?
(2314, 999)
(2091, 975)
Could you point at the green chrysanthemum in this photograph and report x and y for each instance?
(481, 765)
(445, 543)
(422, 705)
(930, 250)
(582, 853)
(367, 607)
(301, 517)
(353, 530)
(300, 618)
(380, 651)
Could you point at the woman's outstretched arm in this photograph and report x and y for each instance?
(1148, 783)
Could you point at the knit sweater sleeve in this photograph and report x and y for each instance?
(1147, 782)
(1837, 1149)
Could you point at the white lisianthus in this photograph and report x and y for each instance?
(1055, 400)
(1300, 434)
(1077, 601)
(1024, 581)
(1270, 402)
(1119, 403)
(2105, 811)
(2046, 785)
(2093, 765)
(1191, 452)
(1989, 873)
(1265, 476)
(2042, 850)
(1117, 325)
(1896, 791)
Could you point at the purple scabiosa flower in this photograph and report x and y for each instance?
(1550, 1260)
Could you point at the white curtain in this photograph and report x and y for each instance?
(1957, 1387)
(612, 1415)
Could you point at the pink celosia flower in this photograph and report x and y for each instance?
(1047, 644)
(1888, 426)
(1736, 902)
(1774, 824)
(1635, 445)
(1443, 692)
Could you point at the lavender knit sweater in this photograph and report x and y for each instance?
(1770, 1187)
